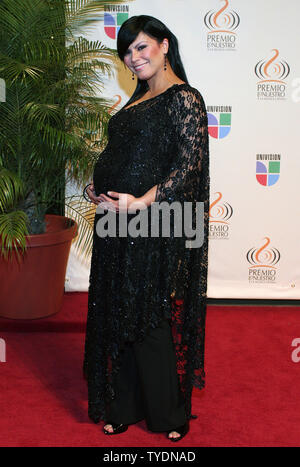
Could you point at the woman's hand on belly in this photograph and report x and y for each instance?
(125, 202)
(92, 195)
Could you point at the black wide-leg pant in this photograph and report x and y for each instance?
(147, 385)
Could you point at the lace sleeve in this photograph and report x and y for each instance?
(190, 119)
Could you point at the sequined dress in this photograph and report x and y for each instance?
(137, 281)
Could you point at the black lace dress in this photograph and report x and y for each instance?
(137, 281)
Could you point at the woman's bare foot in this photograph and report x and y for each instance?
(173, 434)
(108, 428)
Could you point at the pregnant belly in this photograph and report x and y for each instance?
(121, 178)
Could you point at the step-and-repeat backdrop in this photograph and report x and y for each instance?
(243, 56)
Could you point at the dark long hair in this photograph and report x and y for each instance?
(157, 30)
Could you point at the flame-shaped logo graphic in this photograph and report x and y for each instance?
(119, 98)
(263, 256)
(272, 70)
(220, 21)
(220, 212)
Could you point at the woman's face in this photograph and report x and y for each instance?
(145, 56)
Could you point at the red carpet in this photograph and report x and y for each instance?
(251, 396)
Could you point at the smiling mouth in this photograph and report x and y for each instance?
(137, 68)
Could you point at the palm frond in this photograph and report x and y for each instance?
(13, 231)
(53, 122)
(11, 190)
(42, 113)
(83, 213)
(82, 49)
(12, 69)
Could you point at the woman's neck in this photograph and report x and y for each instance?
(162, 81)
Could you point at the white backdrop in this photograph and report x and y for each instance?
(243, 56)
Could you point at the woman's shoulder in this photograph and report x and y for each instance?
(186, 95)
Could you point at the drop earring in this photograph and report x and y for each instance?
(165, 64)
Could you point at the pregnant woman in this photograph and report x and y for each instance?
(144, 347)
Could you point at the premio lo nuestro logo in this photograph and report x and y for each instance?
(114, 17)
(219, 125)
(219, 214)
(263, 260)
(272, 74)
(267, 168)
(222, 25)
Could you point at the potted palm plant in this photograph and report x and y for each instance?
(52, 124)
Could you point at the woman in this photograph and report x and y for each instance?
(144, 348)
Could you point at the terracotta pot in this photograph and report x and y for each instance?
(34, 287)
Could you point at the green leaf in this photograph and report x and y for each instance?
(11, 190)
(13, 231)
(54, 120)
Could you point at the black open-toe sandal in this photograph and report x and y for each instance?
(117, 428)
(182, 430)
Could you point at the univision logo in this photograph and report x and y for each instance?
(263, 261)
(219, 126)
(219, 214)
(222, 25)
(267, 169)
(114, 17)
(272, 74)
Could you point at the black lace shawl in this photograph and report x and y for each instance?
(135, 282)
